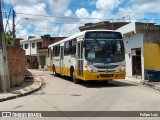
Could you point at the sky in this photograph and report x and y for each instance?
(62, 18)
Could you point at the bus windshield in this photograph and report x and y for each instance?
(104, 51)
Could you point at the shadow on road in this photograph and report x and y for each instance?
(100, 84)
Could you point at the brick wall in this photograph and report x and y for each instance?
(16, 64)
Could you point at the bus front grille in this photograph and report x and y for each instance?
(106, 75)
(106, 67)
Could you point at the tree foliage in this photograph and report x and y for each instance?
(8, 39)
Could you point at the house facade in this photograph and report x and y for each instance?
(31, 47)
(142, 43)
(37, 50)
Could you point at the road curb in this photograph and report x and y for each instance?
(150, 85)
(26, 92)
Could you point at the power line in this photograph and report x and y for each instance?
(7, 16)
(7, 20)
(11, 4)
(33, 4)
(81, 18)
(60, 17)
(32, 20)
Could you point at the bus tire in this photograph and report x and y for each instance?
(54, 71)
(75, 80)
(105, 81)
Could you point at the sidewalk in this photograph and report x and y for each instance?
(155, 85)
(30, 85)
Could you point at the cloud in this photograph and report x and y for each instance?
(58, 7)
(68, 13)
(46, 28)
(82, 13)
(139, 9)
(21, 2)
(37, 22)
(92, 2)
(107, 4)
(69, 29)
(61, 11)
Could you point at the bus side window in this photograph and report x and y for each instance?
(55, 50)
(73, 46)
(70, 46)
(66, 48)
(58, 50)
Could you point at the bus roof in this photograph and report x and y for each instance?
(75, 36)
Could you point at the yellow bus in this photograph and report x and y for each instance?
(89, 55)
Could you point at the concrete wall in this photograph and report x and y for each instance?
(16, 64)
(151, 32)
(133, 41)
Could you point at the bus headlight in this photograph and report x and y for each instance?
(89, 68)
(122, 68)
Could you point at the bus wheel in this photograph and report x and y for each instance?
(75, 80)
(54, 71)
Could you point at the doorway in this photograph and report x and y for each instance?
(136, 63)
(80, 58)
(62, 60)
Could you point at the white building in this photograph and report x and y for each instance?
(31, 46)
(134, 55)
(142, 51)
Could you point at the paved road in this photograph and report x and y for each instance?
(61, 94)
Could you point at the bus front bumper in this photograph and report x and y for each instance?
(103, 76)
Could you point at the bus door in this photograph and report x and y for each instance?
(80, 59)
(62, 60)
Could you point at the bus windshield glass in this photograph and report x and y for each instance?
(104, 51)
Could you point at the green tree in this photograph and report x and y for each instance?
(8, 39)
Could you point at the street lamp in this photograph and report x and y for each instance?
(21, 20)
(14, 25)
(14, 15)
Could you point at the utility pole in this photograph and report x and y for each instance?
(13, 26)
(4, 74)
